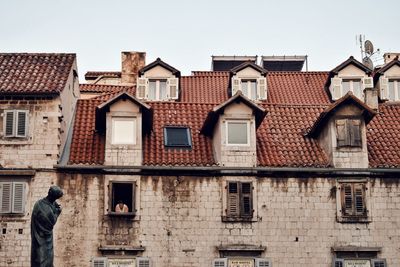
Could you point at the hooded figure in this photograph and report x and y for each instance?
(44, 217)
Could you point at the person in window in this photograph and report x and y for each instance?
(121, 207)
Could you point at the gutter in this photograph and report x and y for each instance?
(233, 171)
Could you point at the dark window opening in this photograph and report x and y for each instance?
(353, 199)
(240, 200)
(122, 194)
(177, 137)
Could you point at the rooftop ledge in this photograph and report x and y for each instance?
(242, 248)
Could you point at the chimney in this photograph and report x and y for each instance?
(388, 57)
(132, 62)
(371, 98)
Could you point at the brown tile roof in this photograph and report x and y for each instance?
(383, 137)
(33, 73)
(91, 75)
(102, 88)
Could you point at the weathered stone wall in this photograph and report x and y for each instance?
(41, 148)
(179, 221)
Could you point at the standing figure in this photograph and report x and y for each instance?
(44, 217)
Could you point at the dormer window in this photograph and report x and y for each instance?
(348, 132)
(157, 89)
(249, 88)
(353, 85)
(394, 89)
(123, 131)
(238, 133)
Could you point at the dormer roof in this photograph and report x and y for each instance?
(325, 115)
(351, 61)
(104, 107)
(159, 62)
(250, 64)
(213, 115)
(382, 70)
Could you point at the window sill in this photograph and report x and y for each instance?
(354, 219)
(121, 214)
(238, 219)
(16, 141)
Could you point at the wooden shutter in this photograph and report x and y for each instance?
(359, 199)
(220, 262)
(336, 88)
(142, 262)
(142, 88)
(9, 123)
(368, 82)
(233, 199)
(5, 197)
(246, 199)
(235, 85)
(384, 88)
(18, 196)
(262, 263)
(173, 88)
(347, 199)
(341, 133)
(378, 262)
(262, 88)
(99, 262)
(355, 132)
(338, 263)
(21, 123)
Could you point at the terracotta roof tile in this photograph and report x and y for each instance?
(95, 74)
(102, 88)
(28, 73)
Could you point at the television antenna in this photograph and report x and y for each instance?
(367, 50)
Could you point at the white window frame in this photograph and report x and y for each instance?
(351, 80)
(396, 88)
(247, 122)
(15, 113)
(11, 209)
(249, 81)
(113, 133)
(158, 88)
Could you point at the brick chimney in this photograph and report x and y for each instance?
(371, 98)
(132, 62)
(390, 56)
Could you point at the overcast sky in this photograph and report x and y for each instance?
(186, 33)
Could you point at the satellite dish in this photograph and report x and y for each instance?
(369, 47)
(368, 62)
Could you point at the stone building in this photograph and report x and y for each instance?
(240, 166)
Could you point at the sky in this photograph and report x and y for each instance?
(185, 34)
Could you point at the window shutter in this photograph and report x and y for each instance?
(142, 262)
(338, 263)
(378, 262)
(99, 262)
(221, 262)
(355, 132)
(9, 123)
(173, 88)
(336, 88)
(347, 199)
(341, 133)
(22, 123)
(359, 199)
(246, 199)
(18, 203)
(368, 82)
(5, 197)
(142, 88)
(262, 263)
(233, 199)
(235, 85)
(384, 88)
(262, 88)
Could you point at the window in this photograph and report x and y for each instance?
(249, 88)
(104, 262)
(15, 123)
(394, 89)
(353, 85)
(177, 137)
(122, 199)
(240, 200)
(123, 130)
(358, 258)
(348, 132)
(353, 200)
(157, 90)
(238, 133)
(12, 197)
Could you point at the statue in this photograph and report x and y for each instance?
(44, 217)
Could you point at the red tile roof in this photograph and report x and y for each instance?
(95, 74)
(28, 73)
(103, 88)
